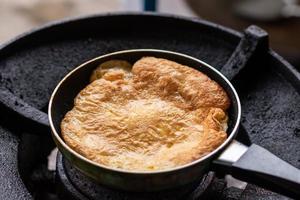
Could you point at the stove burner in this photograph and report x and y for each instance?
(77, 186)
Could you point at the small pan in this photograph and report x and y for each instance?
(252, 164)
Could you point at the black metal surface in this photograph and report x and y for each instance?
(30, 67)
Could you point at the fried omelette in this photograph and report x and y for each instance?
(155, 115)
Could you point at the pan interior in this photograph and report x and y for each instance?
(63, 96)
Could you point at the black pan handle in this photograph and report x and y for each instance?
(257, 165)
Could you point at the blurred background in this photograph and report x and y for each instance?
(281, 18)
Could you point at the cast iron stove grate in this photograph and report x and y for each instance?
(32, 64)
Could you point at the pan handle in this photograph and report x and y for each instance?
(257, 165)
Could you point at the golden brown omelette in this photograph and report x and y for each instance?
(154, 115)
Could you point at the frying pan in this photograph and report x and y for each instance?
(252, 164)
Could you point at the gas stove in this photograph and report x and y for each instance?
(33, 63)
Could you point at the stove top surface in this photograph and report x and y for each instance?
(31, 66)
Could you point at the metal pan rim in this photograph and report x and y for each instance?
(217, 150)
